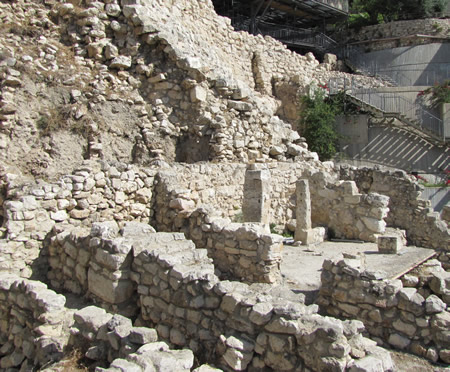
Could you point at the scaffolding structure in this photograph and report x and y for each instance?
(300, 24)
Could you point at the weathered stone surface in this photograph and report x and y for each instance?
(121, 63)
(92, 317)
(389, 244)
(142, 335)
(368, 364)
(111, 291)
(434, 304)
(399, 341)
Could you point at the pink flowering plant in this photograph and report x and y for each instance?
(438, 94)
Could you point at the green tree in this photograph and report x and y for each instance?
(387, 11)
(317, 124)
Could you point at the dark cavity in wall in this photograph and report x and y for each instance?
(192, 149)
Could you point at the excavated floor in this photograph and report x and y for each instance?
(302, 265)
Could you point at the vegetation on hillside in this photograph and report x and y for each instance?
(317, 124)
(438, 94)
(369, 12)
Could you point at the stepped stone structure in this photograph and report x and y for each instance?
(149, 161)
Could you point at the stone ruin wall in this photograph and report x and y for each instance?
(186, 91)
(173, 286)
(424, 227)
(409, 313)
(37, 329)
(218, 185)
(209, 87)
(438, 28)
(166, 199)
(33, 322)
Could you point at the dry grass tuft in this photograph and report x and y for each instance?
(72, 362)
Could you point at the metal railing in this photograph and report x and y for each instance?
(351, 54)
(337, 4)
(297, 36)
(391, 104)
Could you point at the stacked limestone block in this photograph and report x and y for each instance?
(248, 328)
(407, 211)
(112, 340)
(109, 276)
(173, 81)
(16, 258)
(25, 225)
(353, 215)
(243, 326)
(222, 111)
(242, 251)
(68, 257)
(155, 357)
(407, 318)
(33, 323)
(433, 26)
(95, 191)
(341, 207)
(108, 336)
(219, 185)
(102, 192)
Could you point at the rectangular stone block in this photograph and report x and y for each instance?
(310, 236)
(110, 291)
(389, 244)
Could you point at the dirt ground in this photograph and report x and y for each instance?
(409, 363)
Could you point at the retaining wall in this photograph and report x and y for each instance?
(34, 323)
(407, 318)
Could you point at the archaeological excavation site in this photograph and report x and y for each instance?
(161, 210)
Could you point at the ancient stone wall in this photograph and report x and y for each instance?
(244, 251)
(408, 314)
(345, 211)
(167, 199)
(333, 202)
(205, 86)
(34, 323)
(198, 99)
(239, 326)
(36, 329)
(423, 226)
(113, 341)
(400, 30)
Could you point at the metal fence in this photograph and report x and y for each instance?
(297, 36)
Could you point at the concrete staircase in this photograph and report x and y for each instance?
(410, 116)
(411, 125)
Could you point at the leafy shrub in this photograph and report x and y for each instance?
(381, 11)
(439, 93)
(317, 124)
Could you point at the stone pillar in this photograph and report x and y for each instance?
(303, 230)
(255, 207)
